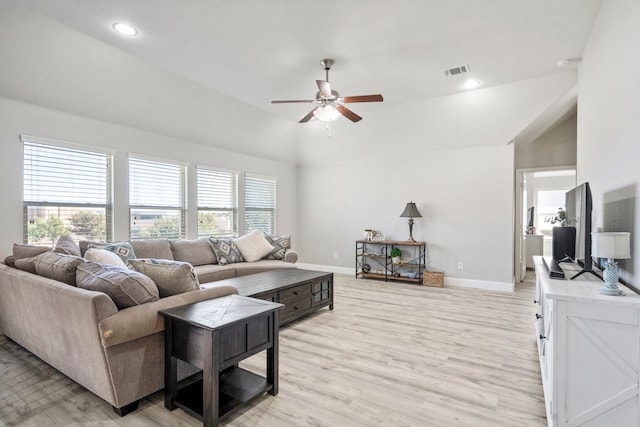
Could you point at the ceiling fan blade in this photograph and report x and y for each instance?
(308, 117)
(348, 113)
(289, 101)
(362, 98)
(325, 88)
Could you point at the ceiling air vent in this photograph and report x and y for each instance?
(452, 72)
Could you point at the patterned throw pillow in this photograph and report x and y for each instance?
(280, 245)
(171, 277)
(226, 251)
(123, 249)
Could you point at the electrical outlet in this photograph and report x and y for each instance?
(335, 255)
(460, 265)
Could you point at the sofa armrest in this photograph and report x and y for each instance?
(142, 320)
(290, 256)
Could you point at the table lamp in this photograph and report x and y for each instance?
(611, 246)
(410, 211)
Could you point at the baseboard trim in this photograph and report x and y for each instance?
(448, 281)
(478, 284)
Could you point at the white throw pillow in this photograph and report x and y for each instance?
(253, 246)
(104, 256)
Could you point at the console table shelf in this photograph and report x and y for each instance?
(373, 260)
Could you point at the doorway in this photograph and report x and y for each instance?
(540, 194)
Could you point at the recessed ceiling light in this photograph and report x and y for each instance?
(125, 29)
(471, 84)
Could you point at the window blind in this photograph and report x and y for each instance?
(260, 203)
(66, 191)
(217, 202)
(156, 199)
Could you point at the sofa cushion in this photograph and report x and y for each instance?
(104, 256)
(246, 268)
(10, 261)
(253, 246)
(171, 277)
(195, 252)
(226, 251)
(279, 244)
(214, 272)
(56, 266)
(157, 249)
(122, 249)
(125, 287)
(66, 245)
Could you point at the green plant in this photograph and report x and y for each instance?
(395, 253)
(561, 218)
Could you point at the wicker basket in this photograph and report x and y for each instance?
(433, 278)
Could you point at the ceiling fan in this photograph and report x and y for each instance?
(330, 105)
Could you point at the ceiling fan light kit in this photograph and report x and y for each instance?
(330, 105)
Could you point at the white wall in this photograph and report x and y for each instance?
(609, 123)
(465, 197)
(18, 118)
(556, 147)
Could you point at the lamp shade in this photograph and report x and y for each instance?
(410, 211)
(611, 245)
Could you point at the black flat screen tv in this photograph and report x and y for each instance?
(578, 206)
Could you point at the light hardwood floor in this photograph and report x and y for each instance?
(389, 354)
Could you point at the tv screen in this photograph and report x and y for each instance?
(578, 206)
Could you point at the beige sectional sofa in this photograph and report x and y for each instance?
(118, 354)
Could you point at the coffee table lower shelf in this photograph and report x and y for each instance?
(237, 387)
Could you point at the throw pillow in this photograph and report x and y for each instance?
(66, 245)
(171, 277)
(123, 249)
(28, 251)
(56, 266)
(226, 251)
(10, 261)
(253, 246)
(125, 287)
(104, 256)
(195, 252)
(279, 244)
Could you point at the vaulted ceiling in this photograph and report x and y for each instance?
(255, 51)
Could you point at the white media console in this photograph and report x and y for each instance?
(589, 348)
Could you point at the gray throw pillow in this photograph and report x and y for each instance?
(280, 245)
(171, 277)
(125, 287)
(66, 245)
(28, 251)
(226, 251)
(56, 266)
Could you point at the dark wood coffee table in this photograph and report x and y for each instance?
(215, 335)
(301, 291)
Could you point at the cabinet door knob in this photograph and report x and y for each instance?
(535, 301)
(542, 337)
(538, 316)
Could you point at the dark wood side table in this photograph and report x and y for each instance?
(215, 335)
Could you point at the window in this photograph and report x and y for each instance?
(67, 191)
(217, 202)
(156, 199)
(260, 204)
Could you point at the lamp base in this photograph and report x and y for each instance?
(610, 276)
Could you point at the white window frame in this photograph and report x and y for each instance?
(54, 185)
(253, 205)
(210, 181)
(152, 200)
